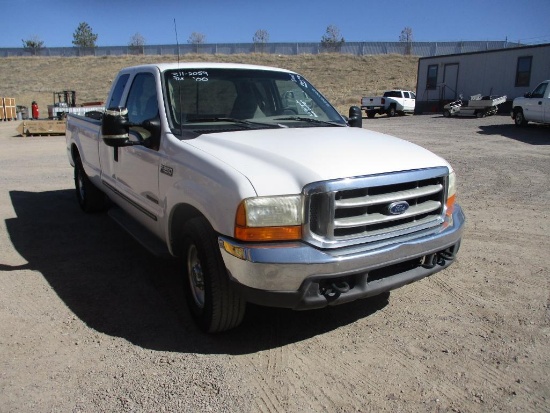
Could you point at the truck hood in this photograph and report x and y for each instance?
(519, 100)
(282, 161)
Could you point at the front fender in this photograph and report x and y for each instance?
(206, 186)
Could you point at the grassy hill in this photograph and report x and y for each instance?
(343, 79)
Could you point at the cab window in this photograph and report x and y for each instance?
(142, 100)
(539, 91)
(118, 90)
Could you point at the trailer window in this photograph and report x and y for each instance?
(523, 71)
(431, 79)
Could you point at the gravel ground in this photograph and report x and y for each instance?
(90, 322)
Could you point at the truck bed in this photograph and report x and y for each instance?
(371, 101)
(482, 103)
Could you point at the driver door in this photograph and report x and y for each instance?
(137, 167)
(534, 106)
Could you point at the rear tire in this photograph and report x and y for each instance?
(214, 304)
(89, 197)
(447, 113)
(391, 111)
(371, 114)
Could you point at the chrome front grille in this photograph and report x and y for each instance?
(358, 210)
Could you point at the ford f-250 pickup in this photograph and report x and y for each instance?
(266, 193)
(533, 107)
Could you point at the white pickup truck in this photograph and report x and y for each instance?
(533, 107)
(266, 194)
(391, 103)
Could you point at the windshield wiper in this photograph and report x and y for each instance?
(250, 124)
(310, 120)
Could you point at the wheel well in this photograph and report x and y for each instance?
(181, 214)
(74, 152)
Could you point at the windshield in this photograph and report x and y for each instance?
(218, 100)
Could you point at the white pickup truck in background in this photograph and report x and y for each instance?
(391, 103)
(266, 194)
(533, 107)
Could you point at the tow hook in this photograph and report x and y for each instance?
(335, 289)
(448, 255)
(432, 260)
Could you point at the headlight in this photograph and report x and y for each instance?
(269, 219)
(451, 192)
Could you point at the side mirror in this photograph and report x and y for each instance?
(153, 126)
(355, 119)
(527, 95)
(115, 127)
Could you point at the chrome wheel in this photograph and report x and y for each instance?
(195, 276)
(215, 305)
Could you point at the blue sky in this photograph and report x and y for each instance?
(236, 21)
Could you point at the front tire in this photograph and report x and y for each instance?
(90, 198)
(447, 113)
(214, 304)
(519, 119)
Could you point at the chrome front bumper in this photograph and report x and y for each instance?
(274, 269)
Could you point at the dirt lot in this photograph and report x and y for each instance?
(90, 322)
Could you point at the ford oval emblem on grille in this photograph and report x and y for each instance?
(397, 208)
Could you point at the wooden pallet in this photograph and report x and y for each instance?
(9, 111)
(41, 127)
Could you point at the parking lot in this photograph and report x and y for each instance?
(90, 322)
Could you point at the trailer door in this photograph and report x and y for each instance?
(450, 81)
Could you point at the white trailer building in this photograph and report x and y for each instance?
(511, 72)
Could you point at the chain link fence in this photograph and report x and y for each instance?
(421, 49)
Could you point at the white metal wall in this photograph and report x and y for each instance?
(486, 73)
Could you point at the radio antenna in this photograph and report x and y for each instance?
(179, 84)
(177, 42)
